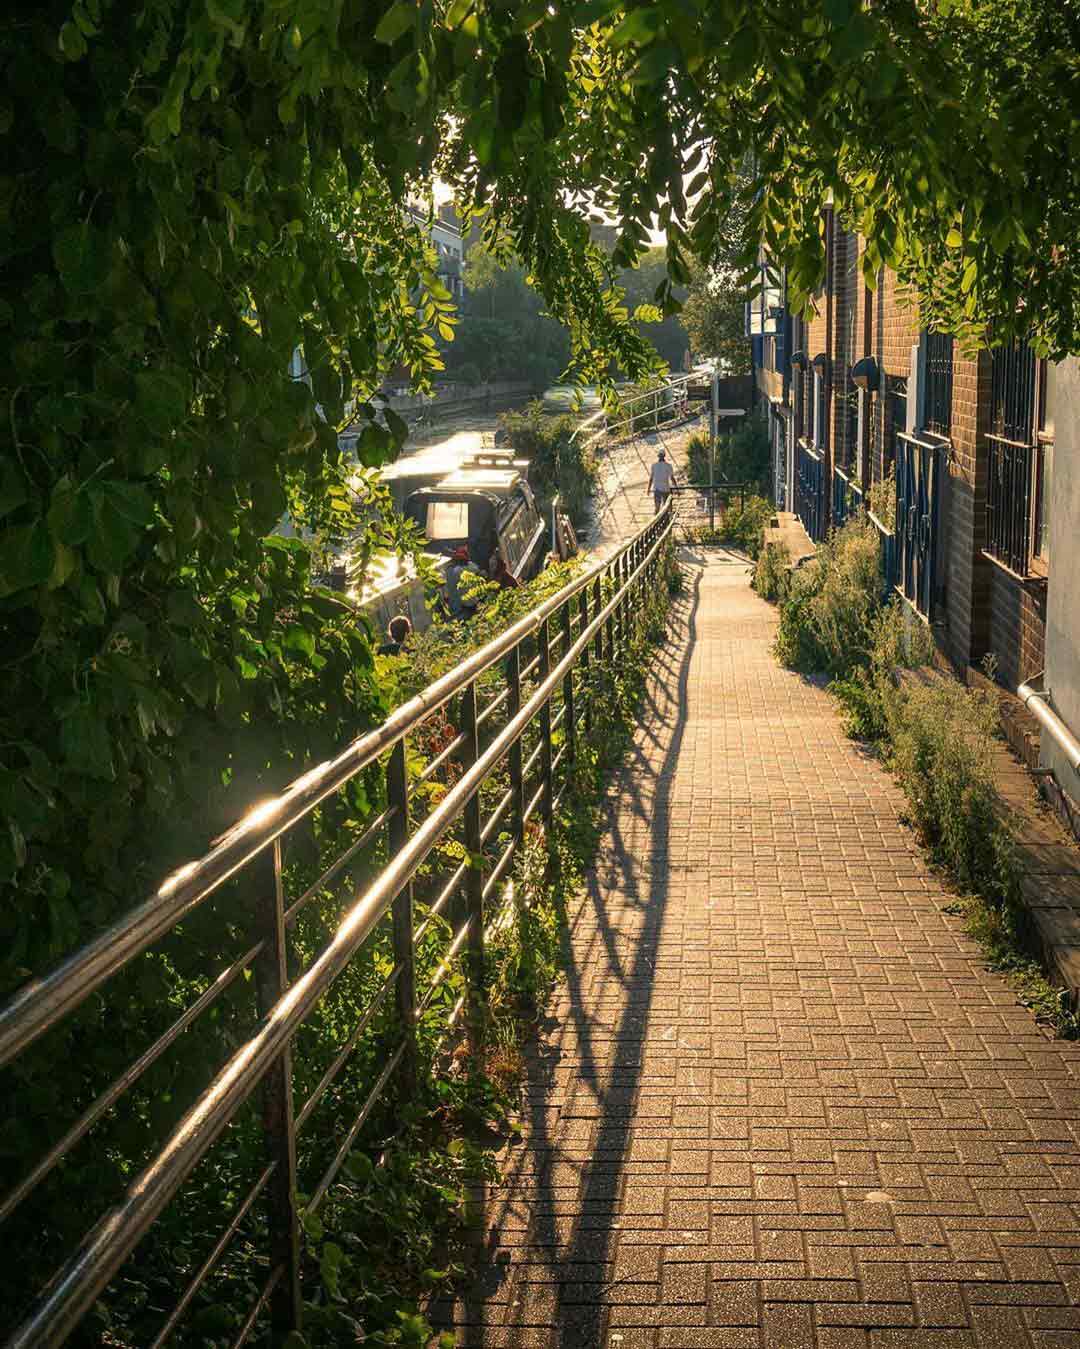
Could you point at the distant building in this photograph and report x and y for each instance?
(605, 234)
(444, 231)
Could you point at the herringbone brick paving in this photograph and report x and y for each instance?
(780, 1102)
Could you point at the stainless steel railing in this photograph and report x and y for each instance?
(538, 678)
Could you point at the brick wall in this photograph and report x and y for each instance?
(967, 590)
(1017, 619)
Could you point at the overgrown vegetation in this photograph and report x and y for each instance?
(935, 734)
(826, 613)
(883, 499)
(772, 575)
(742, 456)
(737, 525)
(558, 463)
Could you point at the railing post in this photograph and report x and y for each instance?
(544, 669)
(474, 873)
(279, 1134)
(569, 720)
(397, 834)
(586, 663)
(597, 590)
(514, 757)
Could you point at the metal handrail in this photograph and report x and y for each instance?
(602, 596)
(600, 419)
(40, 1003)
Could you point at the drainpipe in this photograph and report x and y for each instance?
(1037, 702)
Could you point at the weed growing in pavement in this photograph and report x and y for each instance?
(938, 738)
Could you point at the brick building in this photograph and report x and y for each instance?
(951, 455)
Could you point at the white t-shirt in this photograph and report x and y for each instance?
(661, 477)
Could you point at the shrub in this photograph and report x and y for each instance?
(697, 459)
(898, 641)
(883, 500)
(742, 455)
(941, 747)
(826, 621)
(558, 463)
(772, 575)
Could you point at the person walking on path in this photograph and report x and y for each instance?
(661, 481)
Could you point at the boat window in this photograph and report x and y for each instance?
(447, 520)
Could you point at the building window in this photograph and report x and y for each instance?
(818, 422)
(938, 376)
(1018, 461)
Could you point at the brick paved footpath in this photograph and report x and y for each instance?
(779, 1101)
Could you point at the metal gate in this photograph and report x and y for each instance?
(810, 492)
(780, 479)
(918, 495)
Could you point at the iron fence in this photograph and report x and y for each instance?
(887, 544)
(511, 717)
(810, 491)
(847, 498)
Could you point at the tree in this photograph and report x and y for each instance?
(504, 332)
(713, 315)
(192, 191)
(639, 285)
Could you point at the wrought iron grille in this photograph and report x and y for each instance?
(500, 734)
(1012, 393)
(1011, 470)
(895, 416)
(1013, 458)
(847, 499)
(939, 382)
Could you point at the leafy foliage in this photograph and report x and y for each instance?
(826, 614)
(772, 575)
(713, 315)
(559, 463)
(741, 456)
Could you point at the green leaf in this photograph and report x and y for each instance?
(160, 400)
(639, 27)
(655, 64)
(359, 1167)
(299, 639)
(954, 239)
(82, 258)
(85, 743)
(12, 487)
(71, 42)
(69, 515)
(26, 557)
(398, 19)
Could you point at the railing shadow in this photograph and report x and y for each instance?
(560, 1236)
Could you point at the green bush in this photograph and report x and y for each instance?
(941, 747)
(742, 455)
(772, 575)
(559, 463)
(826, 621)
(898, 640)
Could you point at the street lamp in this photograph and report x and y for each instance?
(866, 375)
